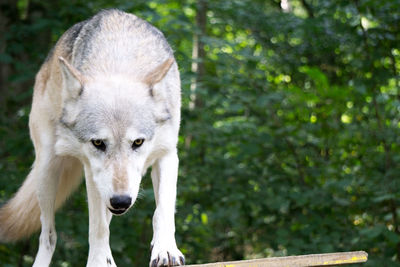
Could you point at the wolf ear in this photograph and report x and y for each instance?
(161, 111)
(72, 79)
(158, 73)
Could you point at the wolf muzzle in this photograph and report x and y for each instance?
(120, 204)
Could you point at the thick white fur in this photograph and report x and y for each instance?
(108, 99)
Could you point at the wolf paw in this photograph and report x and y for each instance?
(166, 257)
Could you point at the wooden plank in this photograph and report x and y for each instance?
(327, 259)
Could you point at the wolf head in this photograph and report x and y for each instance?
(110, 123)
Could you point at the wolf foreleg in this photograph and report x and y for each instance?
(46, 170)
(99, 221)
(164, 176)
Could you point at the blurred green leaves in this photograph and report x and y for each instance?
(294, 150)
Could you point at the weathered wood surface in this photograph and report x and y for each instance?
(328, 259)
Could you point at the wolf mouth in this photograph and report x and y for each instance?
(118, 212)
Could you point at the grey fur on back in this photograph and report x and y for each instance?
(113, 41)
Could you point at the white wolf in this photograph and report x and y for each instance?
(106, 100)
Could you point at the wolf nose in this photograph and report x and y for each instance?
(120, 202)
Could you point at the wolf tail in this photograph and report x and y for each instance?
(20, 216)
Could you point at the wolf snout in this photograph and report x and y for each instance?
(120, 203)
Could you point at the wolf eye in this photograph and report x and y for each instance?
(137, 143)
(99, 144)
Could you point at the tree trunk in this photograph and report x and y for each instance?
(198, 54)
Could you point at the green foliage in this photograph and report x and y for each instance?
(294, 148)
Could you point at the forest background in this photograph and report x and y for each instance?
(289, 141)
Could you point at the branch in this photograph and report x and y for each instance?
(308, 8)
(327, 259)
